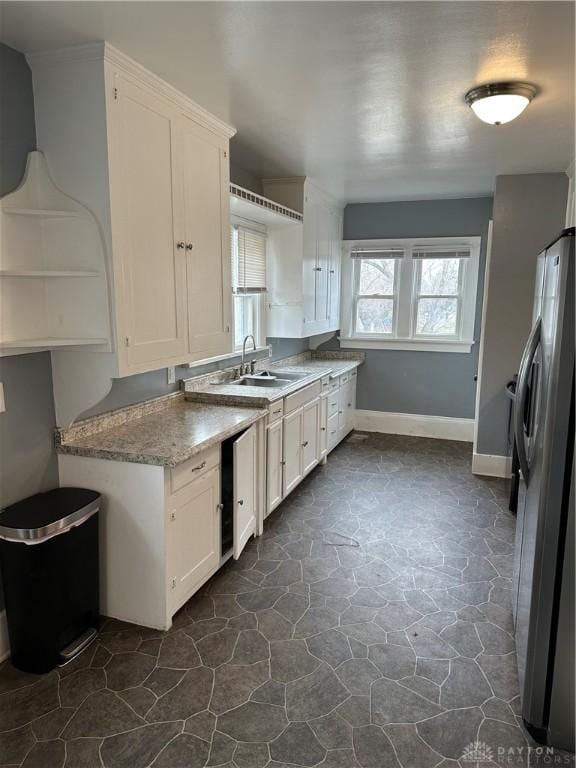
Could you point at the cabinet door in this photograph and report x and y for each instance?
(324, 425)
(323, 233)
(149, 268)
(273, 466)
(204, 159)
(194, 526)
(350, 402)
(334, 272)
(245, 462)
(342, 410)
(310, 435)
(309, 259)
(292, 451)
(333, 435)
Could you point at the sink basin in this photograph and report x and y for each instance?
(291, 375)
(263, 382)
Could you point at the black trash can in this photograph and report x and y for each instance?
(49, 562)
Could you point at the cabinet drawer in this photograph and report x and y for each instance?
(344, 379)
(325, 383)
(303, 396)
(275, 411)
(332, 431)
(195, 467)
(334, 385)
(333, 401)
(353, 373)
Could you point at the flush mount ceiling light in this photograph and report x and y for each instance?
(498, 103)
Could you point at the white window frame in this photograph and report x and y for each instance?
(407, 280)
(260, 298)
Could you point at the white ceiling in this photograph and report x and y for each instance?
(365, 97)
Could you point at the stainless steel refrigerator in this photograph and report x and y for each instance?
(544, 553)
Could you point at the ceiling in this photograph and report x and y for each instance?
(367, 98)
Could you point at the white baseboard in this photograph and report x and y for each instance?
(4, 642)
(491, 465)
(441, 427)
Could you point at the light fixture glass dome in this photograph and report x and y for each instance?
(499, 103)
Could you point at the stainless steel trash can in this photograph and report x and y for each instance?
(49, 565)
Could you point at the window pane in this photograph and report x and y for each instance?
(437, 317)
(377, 276)
(374, 315)
(439, 276)
(243, 318)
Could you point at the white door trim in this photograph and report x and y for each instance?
(482, 325)
(491, 465)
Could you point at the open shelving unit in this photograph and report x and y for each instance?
(50, 245)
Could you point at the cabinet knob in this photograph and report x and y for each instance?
(305, 444)
(317, 269)
(322, 429)
(181, 244)
(241, 502)
(340, 411)
(332, 271)
(219, 507)
(189, 246)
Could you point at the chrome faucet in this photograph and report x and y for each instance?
(247, 367)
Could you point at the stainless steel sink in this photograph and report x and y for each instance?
(255, 381)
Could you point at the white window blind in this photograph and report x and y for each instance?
(459, 252)
(377, 253)
(248, 261)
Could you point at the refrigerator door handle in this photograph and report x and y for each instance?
(521, 395)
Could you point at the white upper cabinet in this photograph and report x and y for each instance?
(304, 268)
(147, 220)
(207, 217)
(153, 168)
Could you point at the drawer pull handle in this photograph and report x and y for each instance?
(340, 411)
(333, 432)
(305, 444)
(278, 411)
(199, 467)
(332, 404)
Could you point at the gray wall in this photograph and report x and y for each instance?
(143, 386)
(528, 211)
(429, 383)
(27, 457)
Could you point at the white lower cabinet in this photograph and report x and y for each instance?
(292, 451)
(160, 528)
(324, 425)
(274, 465)
(315, 420)
(245, 504)
(310, 435)
(193, 535)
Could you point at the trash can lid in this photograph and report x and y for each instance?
(44, 515)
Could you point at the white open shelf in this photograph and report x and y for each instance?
(49, 342)
(47, 273)
(252, 207)
(51, 213)
(49, 244)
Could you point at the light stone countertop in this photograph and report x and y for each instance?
(229, 393)
(167, 437)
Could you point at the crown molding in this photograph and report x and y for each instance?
(103, 51)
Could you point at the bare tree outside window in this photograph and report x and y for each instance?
(439, 281)
(375, 303)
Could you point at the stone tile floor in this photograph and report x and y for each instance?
(370, 626)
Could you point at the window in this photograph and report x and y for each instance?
(410, 294)
(248, 250)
